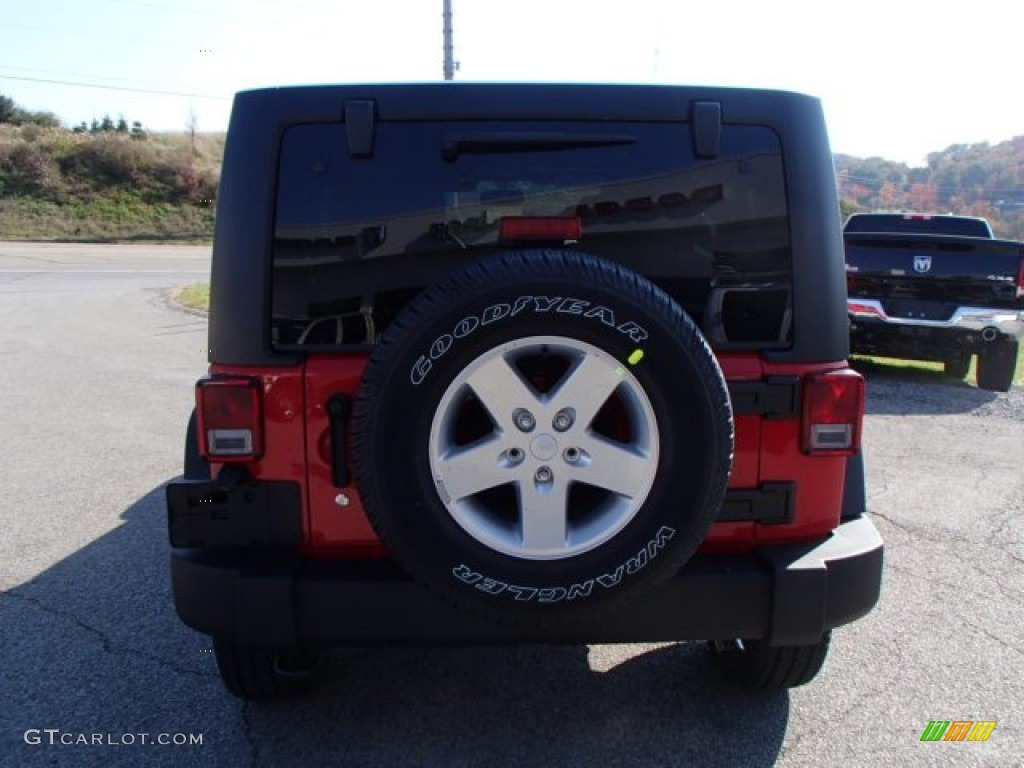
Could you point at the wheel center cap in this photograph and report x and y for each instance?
(544, 447)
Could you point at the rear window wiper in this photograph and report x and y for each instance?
(497, 143)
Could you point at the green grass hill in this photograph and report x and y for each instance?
(59, 184)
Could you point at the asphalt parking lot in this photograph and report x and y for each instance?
(98, 369)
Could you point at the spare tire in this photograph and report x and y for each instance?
(542, 434)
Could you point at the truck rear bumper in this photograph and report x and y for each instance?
(787, 595)
(1005, 322)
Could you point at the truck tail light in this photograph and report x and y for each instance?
(230, 418)
(1020, 279)
(833, 411)
(544, 228)
(861, 309)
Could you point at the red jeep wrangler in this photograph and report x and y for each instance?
(524, 363)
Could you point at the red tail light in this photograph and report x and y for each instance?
(833, 410)
(860, 308)
(1020, 279)
(544, 228)
(230, 421)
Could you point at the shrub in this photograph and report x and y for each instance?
(104, 161)
(26, 169)
(41, 119)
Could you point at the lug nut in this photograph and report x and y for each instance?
(571, 455)
(543, 475)
(524, 419)
(564, 419)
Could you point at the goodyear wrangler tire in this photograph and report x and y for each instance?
(542, 435)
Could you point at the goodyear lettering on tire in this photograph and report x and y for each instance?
(536, 304)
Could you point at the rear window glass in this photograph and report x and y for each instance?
(927, 225)
(356, 237)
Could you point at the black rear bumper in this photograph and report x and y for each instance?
(787, 595)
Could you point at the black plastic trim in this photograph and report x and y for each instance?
(706, 117)
(195, 466)
(339, 407)
(775, 397)
(821, 587)
(360, 126)
(249, 515)
(855, 495)
(771, 504)
(787, 595)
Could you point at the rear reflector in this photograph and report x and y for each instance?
(230, 422)
(833, 410)
(541, 228)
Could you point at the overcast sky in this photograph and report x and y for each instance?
(898, 78)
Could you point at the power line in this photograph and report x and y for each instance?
(257, 22)
(264, 25)
(204, 12)
(85, 76)
(117, 88)
(148, 43)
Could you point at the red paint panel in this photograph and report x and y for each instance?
(334, 530)
(738, 537)
(745, 466)
(298, 448)
(818, 479)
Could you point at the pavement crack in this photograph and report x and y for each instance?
(109, 646)
(988, 634)
(890, 521)
(956, 586)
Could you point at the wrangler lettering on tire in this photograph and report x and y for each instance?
(514, 457)
(555, 594)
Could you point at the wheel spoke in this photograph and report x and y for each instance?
(544, 514)
(612, 466)
(587, 388)
(467, 471)
(501, 390)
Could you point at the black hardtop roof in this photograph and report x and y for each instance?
(240, 274)
(525, 100)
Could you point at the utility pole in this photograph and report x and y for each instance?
(449, 58)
